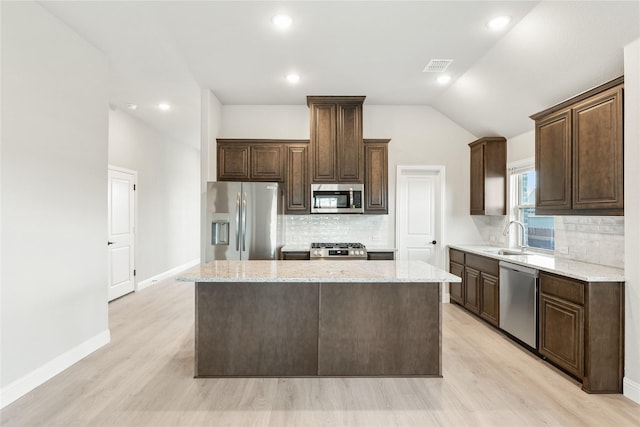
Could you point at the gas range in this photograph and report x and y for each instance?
(346, 251)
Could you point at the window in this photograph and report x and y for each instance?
(539, 229)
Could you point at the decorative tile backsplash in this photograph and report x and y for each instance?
(593, 239)
(371, 230)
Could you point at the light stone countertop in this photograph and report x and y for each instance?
(318, 271)
(549, 263)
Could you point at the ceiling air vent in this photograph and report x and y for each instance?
(437, 65)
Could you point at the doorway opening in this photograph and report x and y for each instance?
(420, 215)
(121, 231)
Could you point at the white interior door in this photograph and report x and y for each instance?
(418, 213)
(121, 242)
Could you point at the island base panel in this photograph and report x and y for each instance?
(248, 329)
(318, 329)
(379, 330)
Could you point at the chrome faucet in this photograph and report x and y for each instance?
(523, 244)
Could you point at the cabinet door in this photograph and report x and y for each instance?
(553, 163)
(376, 178)
(472, 289)
(456, 290)
(490, 298)
(266, 162)
(349, 142)
(597, 152)
(323, 142)
(476, 202)
(562, 333)
(297, 181)
(233, 162)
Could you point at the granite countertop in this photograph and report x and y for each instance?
(549, 263)
(318, 271)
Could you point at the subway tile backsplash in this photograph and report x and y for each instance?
(593, 239)
(371, 230)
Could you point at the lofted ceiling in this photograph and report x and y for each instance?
(171, 50)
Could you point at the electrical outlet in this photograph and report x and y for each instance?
(563, 250)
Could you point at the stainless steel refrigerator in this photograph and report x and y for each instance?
(244, 220)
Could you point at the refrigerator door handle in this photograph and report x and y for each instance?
(237, 221)
(244, 222)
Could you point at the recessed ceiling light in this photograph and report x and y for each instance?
(499, 22)
(282, 21)
(293, 78)
(444, 79)
(164, 106)
(132, 106)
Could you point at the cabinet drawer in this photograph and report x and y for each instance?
(456, 256)
(562, 287)
(483, 264)
(296, 255)
(381, 256)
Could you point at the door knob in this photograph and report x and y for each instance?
(110, 243)
(433, 242)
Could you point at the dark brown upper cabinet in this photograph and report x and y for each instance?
(233, 161)
(579, 154)
(298, 189)
(553, 163)
(337, 153)
(250, 160)
(376, 179)
(488, 176)
(273, 160)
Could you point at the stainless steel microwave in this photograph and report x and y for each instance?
(337, 198)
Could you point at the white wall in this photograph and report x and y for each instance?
(419, 136)
(522, 147)
(210, 123)
(54, 198)
(632, 219)
(265, 121)
(168, 208)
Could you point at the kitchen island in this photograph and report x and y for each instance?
(318, 318)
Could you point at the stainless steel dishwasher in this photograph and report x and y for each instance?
(519, 302)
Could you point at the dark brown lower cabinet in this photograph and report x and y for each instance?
(489, 298)
(479, 291)
(561, 333)
(381, 256)
(581, 327)
(296, 255)
(580, 324)
(472, 289)
(456, 290)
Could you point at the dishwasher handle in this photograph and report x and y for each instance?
(519, 268)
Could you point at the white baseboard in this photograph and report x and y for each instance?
(24, 385)
(631, 390)
(158, 277)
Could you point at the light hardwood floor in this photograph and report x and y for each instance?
(144, 377)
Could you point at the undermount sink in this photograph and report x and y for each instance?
(507, 251)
